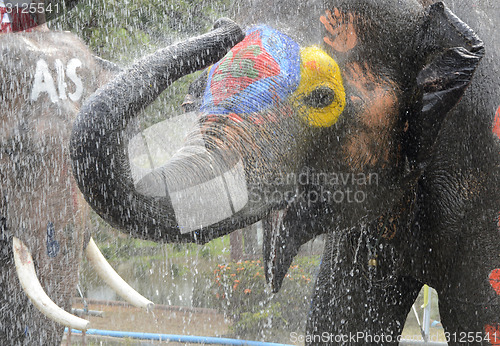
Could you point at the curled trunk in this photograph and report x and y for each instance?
(99, 145)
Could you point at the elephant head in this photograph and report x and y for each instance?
(403, 71)
(369, 101)
(44, 76)
(310, 138)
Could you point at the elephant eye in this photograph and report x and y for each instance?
(320, 97)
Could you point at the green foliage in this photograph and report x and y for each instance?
(253, 323)
(122, 30)
(239, 290)
(117, 246)
(168, 103)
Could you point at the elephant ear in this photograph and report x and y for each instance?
(451, 52)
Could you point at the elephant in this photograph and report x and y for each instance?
(44, 77)
(381, 130)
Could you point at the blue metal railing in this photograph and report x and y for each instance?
(207, 340)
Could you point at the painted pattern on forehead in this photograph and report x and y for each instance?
(496, 123)
(493, 333)
(256, 74)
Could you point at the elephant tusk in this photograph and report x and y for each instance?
(35, 292)
(111, 277)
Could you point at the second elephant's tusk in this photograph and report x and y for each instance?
(111, 277)
(35, 292)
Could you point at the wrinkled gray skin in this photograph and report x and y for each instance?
(40, 203)
(417, 115)
(389, 289)
(447, 235)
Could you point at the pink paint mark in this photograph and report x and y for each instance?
(258, 119)
(495, 280)
(235, 117)
(496, 123)
(312, 65)
(493, 333)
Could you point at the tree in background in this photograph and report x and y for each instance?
(122, 30)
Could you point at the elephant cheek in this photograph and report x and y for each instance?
(369, 147)
(371, 142)
(63, 241)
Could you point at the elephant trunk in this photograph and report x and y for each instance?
(99, 144)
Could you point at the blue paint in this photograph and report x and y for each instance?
(52, 244)
(207, 340)
(262, 93)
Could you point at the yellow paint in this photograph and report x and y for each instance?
(318, 69)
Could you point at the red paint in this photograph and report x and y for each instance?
(312, 65)
(16, 19)
(5, 26)
(235, 117)
(496, 123)
(257, 119)
(22, 20)
(341, 28)
(495, 280)
(493, 333)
